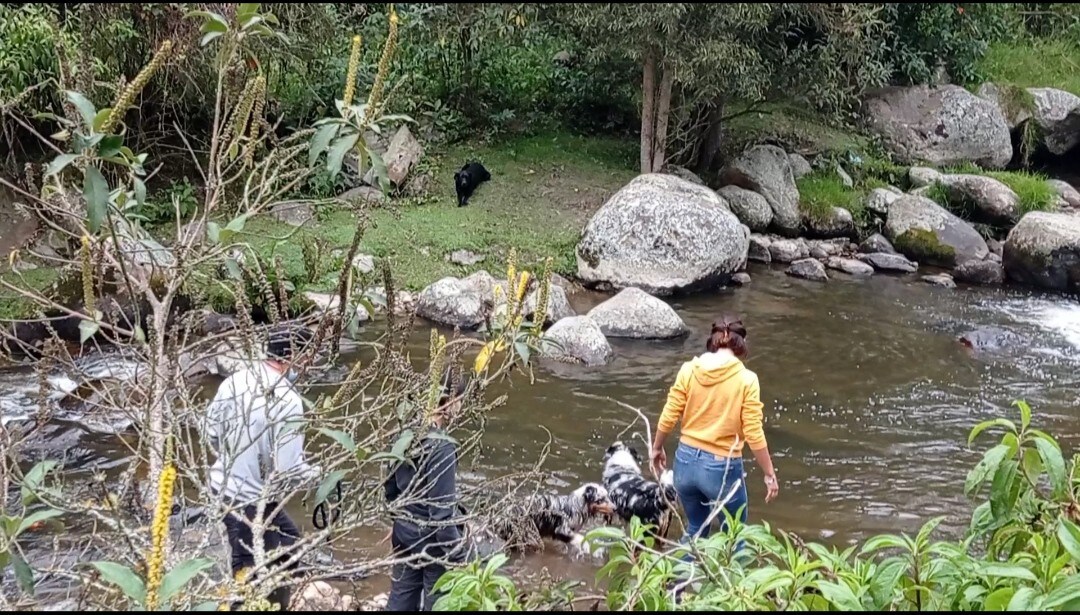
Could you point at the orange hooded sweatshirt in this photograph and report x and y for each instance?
(718, 401)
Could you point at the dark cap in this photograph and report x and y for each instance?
(287, 340)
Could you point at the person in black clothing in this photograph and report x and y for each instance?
(424, 527)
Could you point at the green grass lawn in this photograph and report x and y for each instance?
(1043, 64)
(542, 191)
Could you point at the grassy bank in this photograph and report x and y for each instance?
(1040, 64)
(542, 191)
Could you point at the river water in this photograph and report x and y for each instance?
(869, 399)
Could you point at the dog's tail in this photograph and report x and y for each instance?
(667, 481)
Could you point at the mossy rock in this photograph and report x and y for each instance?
(924, 246)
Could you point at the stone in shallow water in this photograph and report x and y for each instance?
(808, 269)
(942, 279)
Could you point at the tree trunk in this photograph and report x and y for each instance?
(711, 138)
(663, 110)
(648, 110)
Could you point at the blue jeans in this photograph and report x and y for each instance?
(702, 479)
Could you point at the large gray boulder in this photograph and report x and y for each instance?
(1065, 190)
(1008, 100)
(994, 202)
(750, 207)
(1057, 113)
(662, 234)
(945, 125)
(837, 223)
(879, 200)
(876, 243)
(926, 232)
(766, 170)
(451, 302)
(558, 306)
(637, 314)
(577, 339)
(403, 153)
(1043, 250)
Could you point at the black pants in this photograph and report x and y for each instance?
(413, 588)
(280, 532)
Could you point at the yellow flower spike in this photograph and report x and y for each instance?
(511, 266)
(523, 285)
(375, 97)
(354, 66)
(87, 276)
(12, 257)
(127, 96)
(159, 534)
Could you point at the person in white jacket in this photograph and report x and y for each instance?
(255, 425)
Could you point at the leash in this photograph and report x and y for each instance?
(320, 517)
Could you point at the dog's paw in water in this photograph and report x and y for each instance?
(582, 548)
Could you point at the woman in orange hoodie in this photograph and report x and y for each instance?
(718, 402)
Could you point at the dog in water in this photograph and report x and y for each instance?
(635, 496)
(558, 517)
(468, 179)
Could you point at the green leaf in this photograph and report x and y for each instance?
(342, 438)
(208, 38)
(213, 232)
(986, 468)
(981, 427)
(87, 329)
(23, 574)
(378, 167)
(181, 575)
(1064, 590)
(321, 141)
(998, 600)
(1069, 535)
(840, 595)
(885, 580)
(1002, 496)
(34, 478)
(124, 578)
(100, 119)
(1025, 413)
(110, 148)
(337, 152)
(523, 351)
(1007, 571)
(96, 193)
(403, 443)
(59, 163)
(41, 515)
(327, 485)
(5, 558)
(1055, 466)
(214, 22)
(1035, 433)
(233, 268)
(1021, 600)
(885, 541)
(140, 192)
(1032, 465)
(85, 107)
(236, 225)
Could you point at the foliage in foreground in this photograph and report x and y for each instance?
(1020, 553)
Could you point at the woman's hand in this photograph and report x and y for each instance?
(772, 488)
(658, 461)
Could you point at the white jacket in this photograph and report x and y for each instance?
(255, 424)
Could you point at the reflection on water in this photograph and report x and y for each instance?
(869, 399)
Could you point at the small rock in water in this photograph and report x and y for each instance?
(889, 262)
(577, 339)
(850, 266)
(465, 257)
(634, 313)
(943, 280)
(326, 302)
(741, 279)
(759, 249)
(808, 269)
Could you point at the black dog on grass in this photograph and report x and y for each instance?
(468, 179)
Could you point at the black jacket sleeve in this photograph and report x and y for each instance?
(440, 472)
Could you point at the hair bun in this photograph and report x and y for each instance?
(719, 327)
